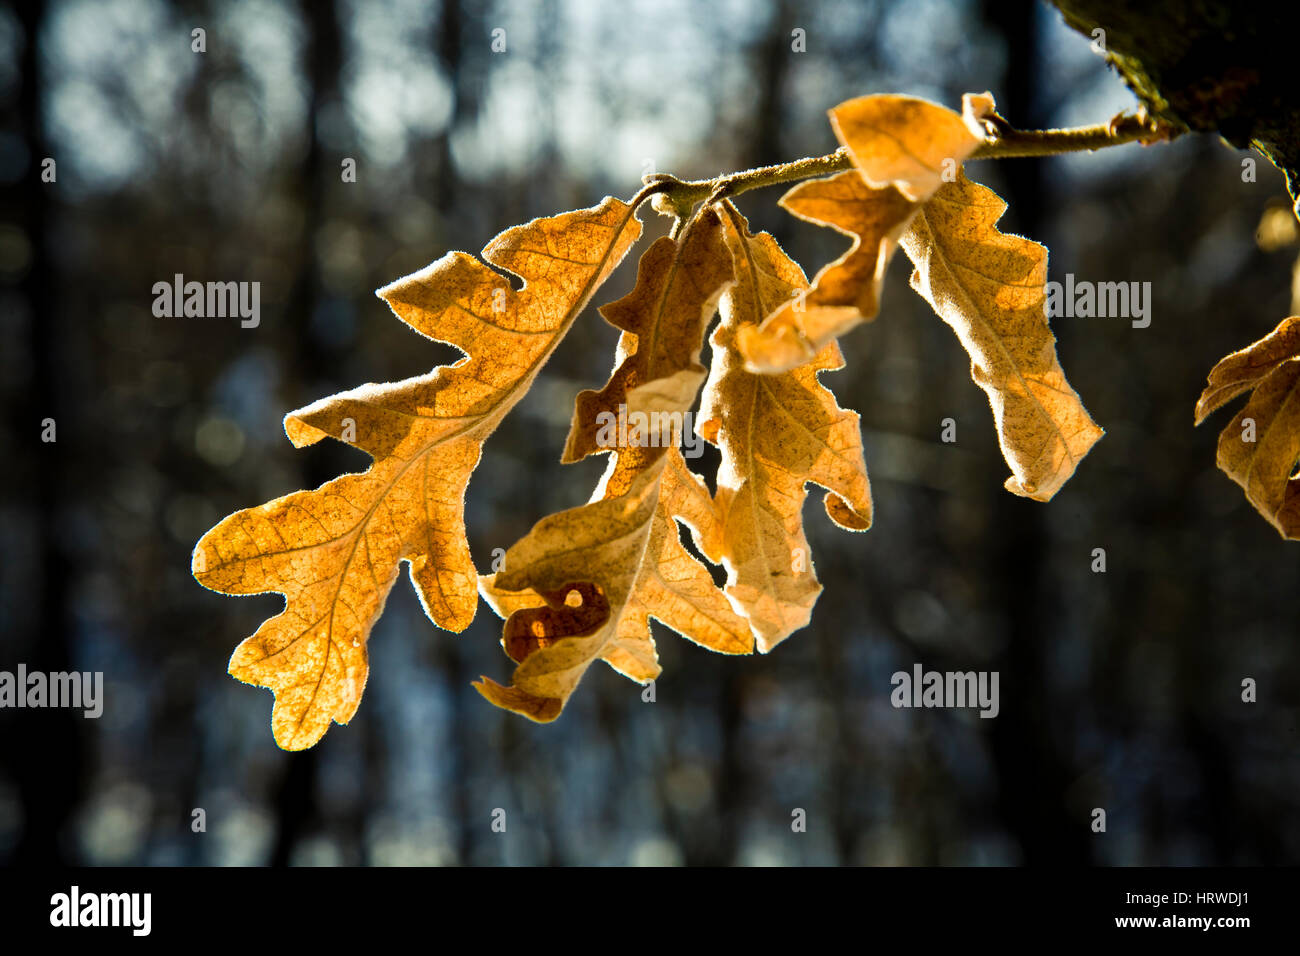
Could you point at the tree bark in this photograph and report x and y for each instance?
(1220, 66)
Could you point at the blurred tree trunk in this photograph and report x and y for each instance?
(295, 802)
(49, 787)
(772, 65)
(450, 45)
(453, 31)
(1032, 780)
(772, 68)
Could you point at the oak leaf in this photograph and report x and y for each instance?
(1260, 447)
(990, 287)
(903, 148)
(584, 584)
(906, 142)
(776, 433)
(846, 291)
(334, 552)
(657, 370)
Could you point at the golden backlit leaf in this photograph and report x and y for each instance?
(903, 149)
(583, 584)
(1261, 446)
(903, 141)
(776, 433)
(845, 292)
(991, 288)
(334, 552)
(1247, 368)
(663, 320)
(592, 577)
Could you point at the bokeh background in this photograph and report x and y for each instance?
(1118, 690)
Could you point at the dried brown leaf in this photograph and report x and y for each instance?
(1246, 368)
(1261, 446)
(776, 433)
(905, 142)
(845, 292)
(334, 552)
(991, 288)
(903, 149)
(663, 320)
(583, 585)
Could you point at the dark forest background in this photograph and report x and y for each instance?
(1118, 690)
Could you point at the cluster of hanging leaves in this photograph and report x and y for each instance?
(583, 584)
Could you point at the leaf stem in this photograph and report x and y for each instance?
(1003, 142)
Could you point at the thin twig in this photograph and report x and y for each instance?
(1004, 143)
